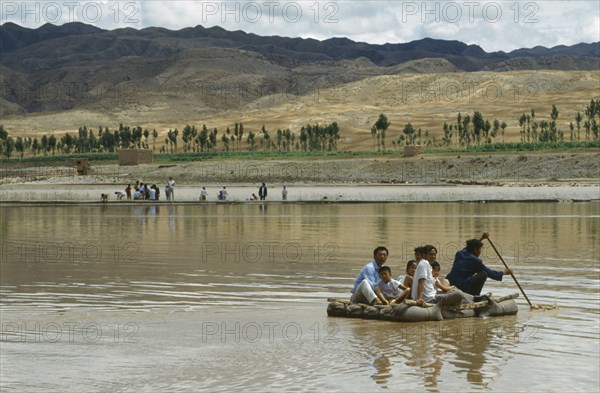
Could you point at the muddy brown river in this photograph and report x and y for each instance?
(232, 297)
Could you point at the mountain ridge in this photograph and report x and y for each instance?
(13, 35)
(79, 60)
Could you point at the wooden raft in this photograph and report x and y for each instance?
(408, 311)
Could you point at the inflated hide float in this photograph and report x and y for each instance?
(408, 311)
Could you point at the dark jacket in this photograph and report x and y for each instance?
(465, 266)
(262, 191)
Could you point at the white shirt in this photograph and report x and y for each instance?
(424, 271)
(390, 289)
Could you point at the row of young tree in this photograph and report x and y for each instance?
(468, 130)
(534, 130)
(85, 141)
(474, 129)
(311, 138)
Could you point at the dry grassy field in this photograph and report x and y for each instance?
(425, 100)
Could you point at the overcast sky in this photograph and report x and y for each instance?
(493, 25)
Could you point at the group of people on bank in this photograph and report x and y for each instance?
(141, 191)
(464, 283)
(222, 195)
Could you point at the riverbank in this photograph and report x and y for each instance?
(572, 176)
(313, 193)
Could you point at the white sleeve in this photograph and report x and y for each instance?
(420, 273)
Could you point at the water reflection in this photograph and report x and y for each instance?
(172, 218)
(263, 208)
(146, 214)
(383, 370)
(478, 349)
(204, 260)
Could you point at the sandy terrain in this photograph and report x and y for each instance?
(332, 193)
(425, 100)
(475, 177)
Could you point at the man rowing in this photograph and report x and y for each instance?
(468, 272)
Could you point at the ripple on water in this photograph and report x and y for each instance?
(170, 288)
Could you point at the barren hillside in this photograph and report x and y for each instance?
(425, 100)
(56, 79)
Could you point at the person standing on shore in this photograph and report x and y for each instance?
(172, 188)
(262, 192)
(223, 194)
(284, 194)
(203, 194)
(168, 192)
(128, 192)
(152, 193)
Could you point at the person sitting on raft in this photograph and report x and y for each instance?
(423, 290)
(388, 290)
(407, 280)
(363, 290)
(441, 284)
(468, 272)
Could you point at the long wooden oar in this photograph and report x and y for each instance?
(512, 275)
